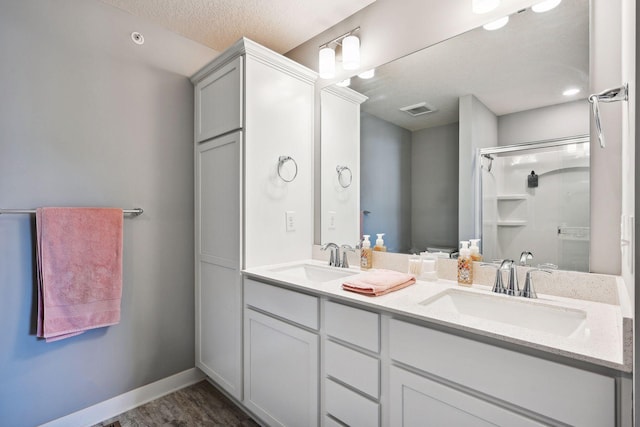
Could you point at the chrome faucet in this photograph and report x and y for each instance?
(498, 284)
(334, 258)
(512, 285)
(524, 256)
(528, 291)
(345, 259)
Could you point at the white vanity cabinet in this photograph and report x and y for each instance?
(490, 380)
(351, 359)
(281, 355)
(252, 106)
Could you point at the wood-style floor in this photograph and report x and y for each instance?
(198, 405)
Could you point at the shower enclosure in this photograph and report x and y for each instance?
(535, 197)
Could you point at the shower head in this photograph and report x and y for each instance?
(490, 157)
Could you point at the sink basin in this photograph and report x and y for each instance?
(313, 273)
(505, 310)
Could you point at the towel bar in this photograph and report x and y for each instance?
(134, 211)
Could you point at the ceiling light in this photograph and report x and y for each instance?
(545, 6)
(367, 74)
(571, 91)
(497, 24)
(344, 83)
(351, 52)
(327, 63)
(484, 6)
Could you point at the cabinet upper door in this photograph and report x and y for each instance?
(219, 101)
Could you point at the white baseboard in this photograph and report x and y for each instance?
(134, 398)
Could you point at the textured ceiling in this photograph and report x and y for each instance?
(280, 25)
(525, 65)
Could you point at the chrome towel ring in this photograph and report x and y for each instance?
(342, 173)
(610, 95)
(282, 160)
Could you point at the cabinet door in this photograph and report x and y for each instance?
(218, 263)
(418, 401)
(281, 371)
(219, 102)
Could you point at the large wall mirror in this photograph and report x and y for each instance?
(418, 136)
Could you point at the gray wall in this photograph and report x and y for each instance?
(539, 124)
(87, 118)
(385, 176)
(434, 187)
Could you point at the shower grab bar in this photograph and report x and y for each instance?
(609, 95)
(134, 212)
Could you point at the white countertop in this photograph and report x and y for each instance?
(601, 340)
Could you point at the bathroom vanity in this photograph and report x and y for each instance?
(317, 354)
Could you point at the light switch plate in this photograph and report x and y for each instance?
(332, 220)
(291, 220)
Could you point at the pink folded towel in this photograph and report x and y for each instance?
(79, 261)
(378, 282)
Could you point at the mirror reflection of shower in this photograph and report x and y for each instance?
(535, 197)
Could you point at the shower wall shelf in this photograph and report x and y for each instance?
(511, 197)
(512, 223)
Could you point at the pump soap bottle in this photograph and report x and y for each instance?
(465, 265)
(366, 256)
(475, 250)
(380, 244)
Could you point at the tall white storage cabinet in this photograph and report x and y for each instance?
(252, 106)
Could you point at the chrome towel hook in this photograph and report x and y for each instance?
(282, 160)
(610, 95)
(342, 173)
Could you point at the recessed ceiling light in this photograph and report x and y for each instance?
(344, 83)
(497, 24)
(545, 6)
(571, 91)
(484, 6)
(367, 74)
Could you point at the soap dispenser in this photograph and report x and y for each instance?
(475, 250)
(380, 244)
(465, 265)
(366, 257)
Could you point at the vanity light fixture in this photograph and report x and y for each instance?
(344, 83)
(350, 54)
(571, 91)
(497, 24)
(327, 63)
(367, 74)
(545, 6)
(483, 6)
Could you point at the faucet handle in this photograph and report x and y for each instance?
(345, 258)
(547, 266)
(334, 258)
(527, 290)
(498, 284)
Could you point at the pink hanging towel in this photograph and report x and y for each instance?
(79, 261)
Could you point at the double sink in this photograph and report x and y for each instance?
(467, 306)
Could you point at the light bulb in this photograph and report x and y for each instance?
(350, 53)
(545, 6)
(497, 24)
(483, 6)
(367, 74)
(327, 63)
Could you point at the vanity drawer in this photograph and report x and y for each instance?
(354, 368)
(290, 305)
(571, 395)
(349, 407)
(353, 325)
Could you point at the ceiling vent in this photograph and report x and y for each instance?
(419, 109)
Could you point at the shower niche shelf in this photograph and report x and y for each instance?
(512, 223)
(509, 197)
